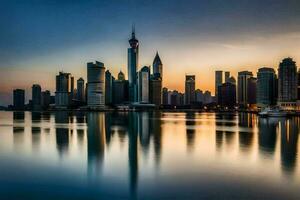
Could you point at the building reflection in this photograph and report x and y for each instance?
(62, 131)
(144, 130)
(18, 122)
(156, 134)
(289, 141)
(224, 120)
(246, 135)
(190, 130)
(267, 130)
(95, 141)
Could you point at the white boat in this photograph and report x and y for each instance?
(272, 112)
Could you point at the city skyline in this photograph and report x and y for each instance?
(203, 42)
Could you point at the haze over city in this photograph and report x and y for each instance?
(39, 39)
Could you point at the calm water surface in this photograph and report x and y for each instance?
(148, 155)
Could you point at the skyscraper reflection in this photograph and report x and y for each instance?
(18, 122)
(289, 142)
(190, 130)
(156, 133)
(267, 134)
(95, 141)
(144, 130)
(246, 135)
(62, 131)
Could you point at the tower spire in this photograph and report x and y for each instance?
(133, 31)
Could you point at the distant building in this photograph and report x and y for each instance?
(287, 84)
(251, 100)
(243, 87)
(95, 85)
(207, 97)
(72, 91)
(120, 89)
(80, 90)
(143, 84)
(176, 98)
(227, 95)
(63, 90)
(189, 89)
(46, 99)
(227, 76)
(199, 97)
(109, 81)
(266, 87)
(36, 97)
(133, 55)
(218, 81)
(19, 99)
(165, 98)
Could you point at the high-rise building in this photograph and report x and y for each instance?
(207, 97)
(227, 95)
(46, 99)
(157, 66)
(80, 90)
(190, 89)
(19, 99)
(266, 87)
(133, 55)
(243, 87)
(251, 87)
(72, 95)
(155, 91)
(165, 98)
(218, 81)
(36, 96)
(143, 84)
(63, 90)
(227, 76)
(109, 81)
(120, 89)
(287, 83)
(95, 85)
(298, 86)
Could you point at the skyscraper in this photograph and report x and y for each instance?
(165, 98)
(45, 100)
(19, 99)
(227, 95)
(133, 54)
(143, 84)
(251, 92)
(63, 90)
(95, 85)
(227, 76)
(36, 96)
(120, 89)
(266, 87)
(80, 90)
(109, 80)
(243, 87)
(287, 83)
(190, 89)
(157, 66)
(218, 81)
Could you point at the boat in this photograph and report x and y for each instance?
(272, 112)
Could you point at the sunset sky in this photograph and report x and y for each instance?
(40, 38)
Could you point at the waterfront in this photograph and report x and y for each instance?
(147, 155)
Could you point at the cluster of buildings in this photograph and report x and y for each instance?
(144, 88)
(268, 89)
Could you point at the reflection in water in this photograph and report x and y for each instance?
(62, 131)
(289, 139)
(190, 130)
(147, 136)
(95, 141)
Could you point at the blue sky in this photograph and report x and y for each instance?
(39, 38)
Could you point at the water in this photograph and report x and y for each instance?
(148, 155)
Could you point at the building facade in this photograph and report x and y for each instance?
(287, 84)
(266, 87)
(143, 85)
(63, 90)
(95, 85)
(80, 90)
(251, 92)
(36, 97)
(109, 81)
(19, 99)
(227, 95)
(189, 89)
(218, 81)
(243, 88)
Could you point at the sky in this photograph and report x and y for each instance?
(40, 38)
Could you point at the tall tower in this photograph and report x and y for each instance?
(218, 81)
(133, 55)
(157, 66)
